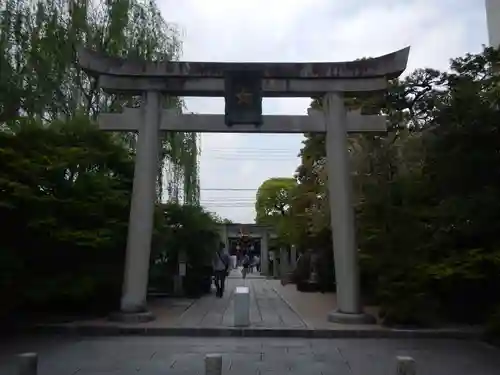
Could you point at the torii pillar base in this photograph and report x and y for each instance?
(132, 317)
(346, 318)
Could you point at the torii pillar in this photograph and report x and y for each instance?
(264, 252)
(141, 220)
(349, 308)
(493, 22)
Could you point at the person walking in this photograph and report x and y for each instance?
(220, 265)
(252, 263)
(257, 263)
(246, 265)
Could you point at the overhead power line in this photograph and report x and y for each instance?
(250, 152)
(242, 159)
(228, 189)
(226, 198)
(230, 207)
(229, 204)
(228, 201)
(250, 149)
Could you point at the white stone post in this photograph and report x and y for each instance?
(27, 364)
(405, 366)
(242, 306)
(264, 254)
(342, 214)
(142, 206)
(213, 364)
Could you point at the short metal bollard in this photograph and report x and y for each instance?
(242, 306)
(27, 364)
(406, 366)
(213, 364)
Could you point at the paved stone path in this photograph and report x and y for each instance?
(272, 306)
(185, 356)
(267, 308)
(274, 310)
(236, 274)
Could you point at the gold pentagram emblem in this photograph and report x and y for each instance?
(244, 97)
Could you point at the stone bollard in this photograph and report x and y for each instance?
(27, 364)
(406, 366)
(284, 264)
(213, 364)
(293, 257)
(242, 306)
(276, 273)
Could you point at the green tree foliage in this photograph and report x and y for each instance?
(177, 227)
(63, 210)
(310, 208)
(426, 196)
(218, 219)
(273, 198)
(190, 233)
(273, 202)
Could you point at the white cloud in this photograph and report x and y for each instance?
(304, 30)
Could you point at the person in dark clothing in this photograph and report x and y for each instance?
(220, 265)
(246, 265)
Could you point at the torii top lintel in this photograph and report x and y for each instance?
(113, 71)
(390, 66)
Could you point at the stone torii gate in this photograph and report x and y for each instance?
(243, 85)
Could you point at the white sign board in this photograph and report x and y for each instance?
(182, 269)
(242, 290)
(242, 306)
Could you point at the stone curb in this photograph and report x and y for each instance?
(116, 330)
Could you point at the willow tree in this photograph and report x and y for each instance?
(40, 78)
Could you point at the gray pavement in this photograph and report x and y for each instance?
(267, 307)
(276, 310)
(176, 356)
(236, 273)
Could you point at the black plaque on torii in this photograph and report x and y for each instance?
(243, 97)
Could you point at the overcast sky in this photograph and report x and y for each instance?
(303, 30)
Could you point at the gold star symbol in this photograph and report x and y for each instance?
(244, 97)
